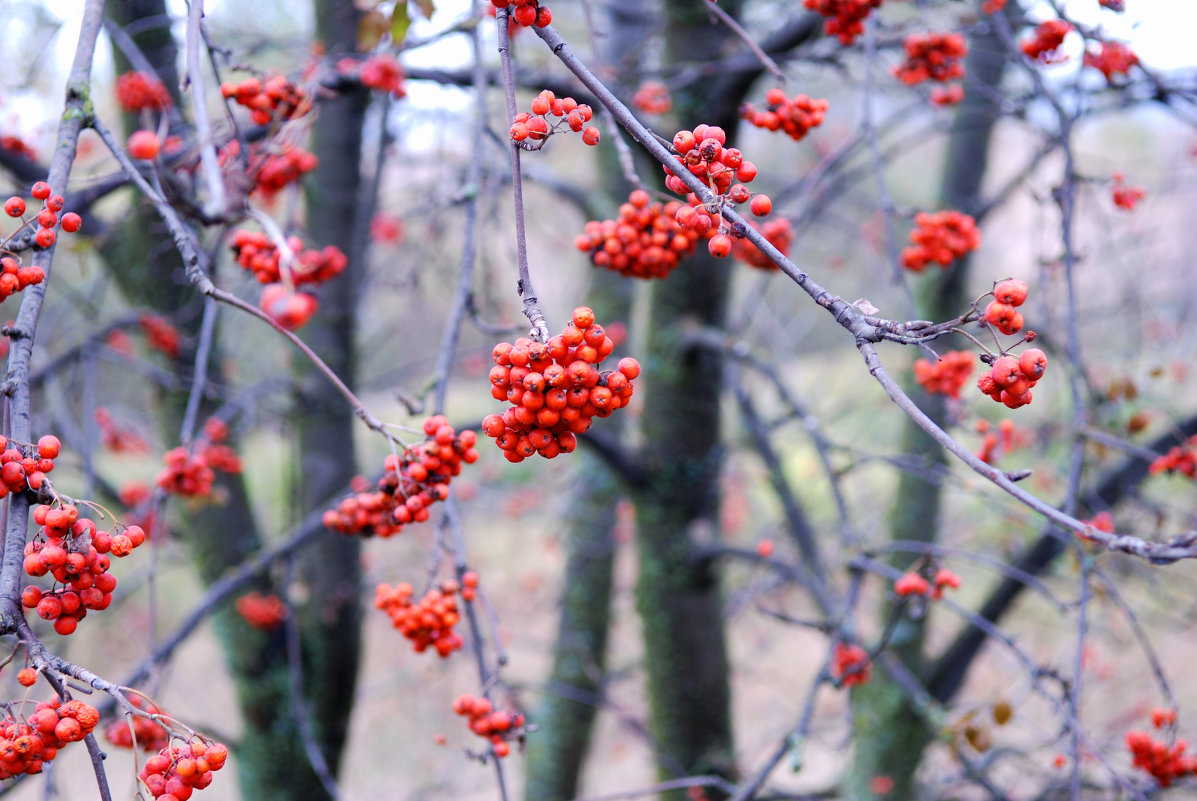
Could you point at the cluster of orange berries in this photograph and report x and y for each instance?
(555, 388)
(1010, 380)
(652, 98)
(1166, 763)
(273, 171)
(1044, 44)
(850, 665)
(75, 553)
(176, 771)
(149, 735)
(534, 125)
(118, 439)
(498, 726)
(940, 237)
(946, 376)
(288, 308)
(646, 240)
(260, 611)
(527, 12)
(19, 472)
(429, 621)
(257, 252)
(413, 481)
(845, 18)
(160, 335)
(1110, 59)
(381, 72)
(704, 154)
(914, 583)
(1179, 459)
(778, 233)
(27, 746)
(46, 220)
(1126, 197)
(1002, 312)
(793, 116)
(137, 91)
(192, 474)
(276, 97)
(932, 57)
(1008, 435)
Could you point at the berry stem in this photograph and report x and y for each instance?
(769, 64)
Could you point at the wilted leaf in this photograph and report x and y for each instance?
(371, 29)
(1002, 712)
(427, 8)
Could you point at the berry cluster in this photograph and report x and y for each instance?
(535, 125)
(429, 621)
(702, 151)
(192, 474)
(274, 98)
(1008, 435)
(646, 240)
(27, 746)
(11, 143)
(555, 388)
(257, 252)
(993, 6)
(652, 98)
(1179, 459)
(1010, 380)
(1126, 197)
(413, 481)
(75, 553)
(137, 91)
(526, 12)
(778, 233)
(160, 335)
(1165, 762)
(118, 439)
(932, 57)
(275, 170)
(19, 472)
(940, 237)
(288, 308)
(498, 726)
(915, 584)
(946, 376)
(793, 116)
(947, 95)
(1110, 59)
(850, 665)
(260, 611)
(1044, 44)
(386, 229)
(845, 18)
(1002, 312)
(149, 735)
(46, 221)
(176, 771)
(381, 72)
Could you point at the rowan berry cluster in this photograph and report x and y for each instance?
(794, 116)
(778, 232)
(498, 726)
(117, 439)
(265, 612)
(1002, 312)
(536, 126)
(160, 335)
(46, 220)
(1179, 459)
(652, 98)
(1126, 197)
(137, 91)
(1011, 379)
(192, 474)
(914, 583)
(413, 481)
(75, 553)
(850, 665)
(946, 376)
(273, 171)
(429, 621)
(274, 98)
(555, 388)
(381, 72)
(288, 308)
(932, 57)
(845, 18)
(1110, 59)
(1166, 763)
(646, 240)
(704, 153)
(526, 12)
(11, 143)
(27, 745)
(1009, 436)
(149, 734)
(940, 237)
(947, 95)
(1044, 43)
(19, 472)
(176, 771)
(258, 253)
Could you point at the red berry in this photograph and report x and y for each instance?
(49, 446)
(143, 145)
(761, 205)
(44, 238)
(590, 136)
(720, 245)
(14, 207)
(71, 222)
(41, 190)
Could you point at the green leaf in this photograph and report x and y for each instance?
(400, 22)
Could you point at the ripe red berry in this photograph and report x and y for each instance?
(41, 190)
(761, 205)
(47, 218)
(71, 222)
(49, 446)
(44, 238)
(590, 136)
(143, 145)
(14, 207)
(1011, 291)
(1033, 363)
(720, 245)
